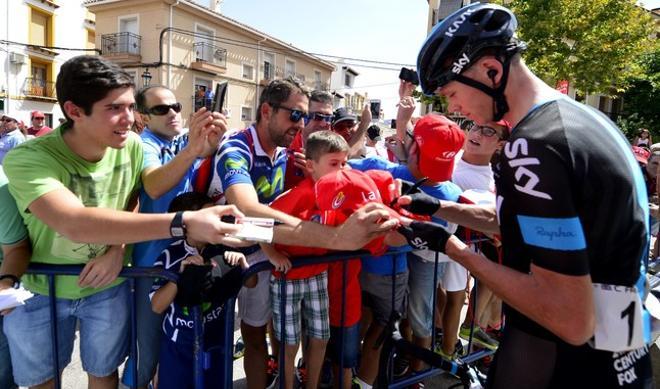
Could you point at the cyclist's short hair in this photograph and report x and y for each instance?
(324, 142)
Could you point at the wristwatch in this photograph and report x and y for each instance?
(177, 228)
(12, 277)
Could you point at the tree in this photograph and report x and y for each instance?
(591, 43)
(641, 102)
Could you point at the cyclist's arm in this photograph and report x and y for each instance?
(476, 217)
(561, 303)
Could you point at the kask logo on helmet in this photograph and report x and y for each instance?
(457, 23)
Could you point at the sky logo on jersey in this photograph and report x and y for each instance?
(523, 175)
(563, 234)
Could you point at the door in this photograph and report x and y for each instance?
(129, 37)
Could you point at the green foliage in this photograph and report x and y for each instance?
(591, 43)
(641, 102)
(437, 102)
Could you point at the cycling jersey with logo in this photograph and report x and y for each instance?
(571, 199)
(242, 160)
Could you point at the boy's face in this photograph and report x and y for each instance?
(328, 163)
(109, 122)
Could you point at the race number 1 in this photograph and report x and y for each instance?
(619, 325)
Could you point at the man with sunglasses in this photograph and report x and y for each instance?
(10, 137)
(38, 128)
(171, 156)
(345, 124)
(319, 119)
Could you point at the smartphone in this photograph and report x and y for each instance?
(374, 107)
(219, 98)
(409, 75)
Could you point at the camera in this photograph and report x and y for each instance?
(409, 75)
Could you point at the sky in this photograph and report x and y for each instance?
(388, 31)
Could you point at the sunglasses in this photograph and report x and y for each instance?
(294, 114)
(164, 109)
(485, 130)
(317, 116)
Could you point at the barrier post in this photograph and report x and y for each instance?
(53, 330)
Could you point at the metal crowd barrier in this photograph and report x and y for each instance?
(201, 358)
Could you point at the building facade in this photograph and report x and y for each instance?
(190, 48)
(30, 55)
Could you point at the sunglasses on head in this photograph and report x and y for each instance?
(163, 109)
(294, 114)
(485, 130)
(317, 116)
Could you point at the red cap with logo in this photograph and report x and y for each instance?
(438, 140)
(387, 188)
(346, 191)
(641, 154)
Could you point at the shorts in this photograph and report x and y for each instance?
(148, 336)
(254, 308)
(377, 294)
(6, 377)
(104, 332)
(306, 295)
(176, 367)
(420, 303)
(455, 278)
(351, 341)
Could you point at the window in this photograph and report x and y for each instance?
(348, 79)
(248, 71)
(246, 114)
(40, 25)
(204, 43)
(269, 66)
(38, 83)
(289, 68)
(317, 80)
(129, 35)
(202, 90)
(91, 39)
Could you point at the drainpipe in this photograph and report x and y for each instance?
(259, 60)
(169, 46)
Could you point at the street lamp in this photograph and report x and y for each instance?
(146, 77)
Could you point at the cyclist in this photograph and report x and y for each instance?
(572, 214)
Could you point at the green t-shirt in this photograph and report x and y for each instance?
(44, 164)
(12, 229)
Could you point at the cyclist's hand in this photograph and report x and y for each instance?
(191, 283)
(420, 204)
(425, 236)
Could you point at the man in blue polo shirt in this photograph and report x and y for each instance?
(171, 155)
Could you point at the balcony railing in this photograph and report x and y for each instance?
(121, 43)
(35, 87)
(212, 54)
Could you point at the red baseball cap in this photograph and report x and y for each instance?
(37, 114)
(438, 140)
(641, 154)
(387, 188)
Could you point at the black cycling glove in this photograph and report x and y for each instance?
(192, 284)
(425, 236)
(422, 204)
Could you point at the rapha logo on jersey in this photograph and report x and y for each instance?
(460, 64)
(519, 148)
(458, 22)
(338, 200)
(420, 243)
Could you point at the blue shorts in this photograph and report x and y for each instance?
(104, 332)
(351, 342)
(6, 378)
(420, 298)
(176, 367)
(148, 336)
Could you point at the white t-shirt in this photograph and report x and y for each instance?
(378, 150)
(469, 176)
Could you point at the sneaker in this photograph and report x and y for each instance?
(272, 373)
(401, 366)
(326, 381)
(239, 348)
(301, 374)
(446, 356)
(479, 337)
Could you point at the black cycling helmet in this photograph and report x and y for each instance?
(460, 40)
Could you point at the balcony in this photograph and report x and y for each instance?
(209, 58)
(38, 89)
(122, 47)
